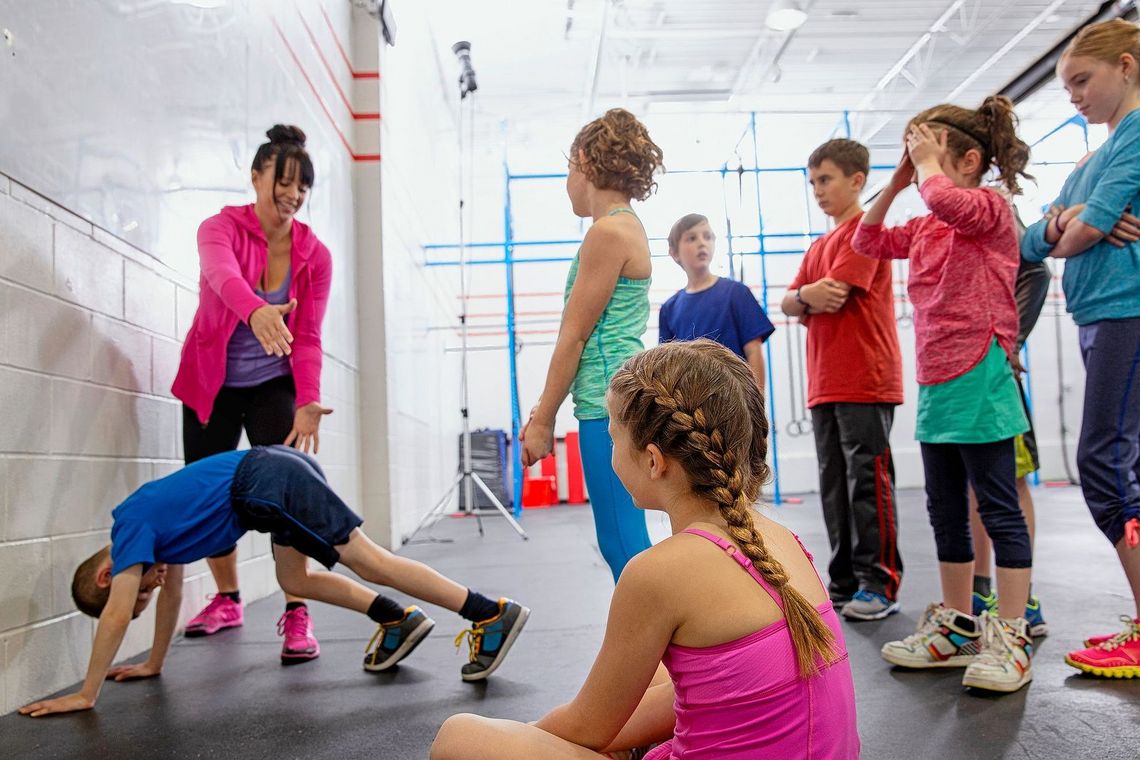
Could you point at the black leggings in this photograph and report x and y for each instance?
(265, 412)
(989, 468)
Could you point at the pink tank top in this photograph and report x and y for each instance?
(745, 699)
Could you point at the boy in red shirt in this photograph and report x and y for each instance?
(846, 301)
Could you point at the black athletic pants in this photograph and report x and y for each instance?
(857, 488)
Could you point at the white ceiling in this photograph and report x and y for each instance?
(547, 66)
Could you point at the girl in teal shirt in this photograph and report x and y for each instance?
(612, 161)
(1092, 229)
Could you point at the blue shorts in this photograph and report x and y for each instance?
(280, 491)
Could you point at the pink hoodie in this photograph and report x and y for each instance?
(233, 251)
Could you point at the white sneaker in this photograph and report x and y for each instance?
(1005, 663)
(945, 638)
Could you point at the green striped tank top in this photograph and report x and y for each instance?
(616, 337)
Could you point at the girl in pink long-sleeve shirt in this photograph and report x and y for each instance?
(963, 265)
(252, 357)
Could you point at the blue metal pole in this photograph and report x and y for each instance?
(847, 122)
(512, 351)
(764, 299)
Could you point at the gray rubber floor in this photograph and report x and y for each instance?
(228, 697)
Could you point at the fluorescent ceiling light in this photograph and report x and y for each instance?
(785, 16)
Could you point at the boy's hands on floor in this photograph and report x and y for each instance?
(69, 703)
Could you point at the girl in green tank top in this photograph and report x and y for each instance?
(605, 314)
(616, 337)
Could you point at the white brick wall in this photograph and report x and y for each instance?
(85, 373)
(90, 331)
(418, 183)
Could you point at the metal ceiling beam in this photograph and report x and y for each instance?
(1001, 52)
(1044, 69)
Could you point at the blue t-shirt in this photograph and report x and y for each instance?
(727, 313)
(180, 518)
(1100, 282)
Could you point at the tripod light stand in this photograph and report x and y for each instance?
(467, 478)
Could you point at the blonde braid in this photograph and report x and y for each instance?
(812, 640)
(682, 427)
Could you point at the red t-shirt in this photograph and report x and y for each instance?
(853, 354)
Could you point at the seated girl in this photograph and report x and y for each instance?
(730, 603)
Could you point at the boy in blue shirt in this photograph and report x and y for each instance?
(209, 505)
(710, 306)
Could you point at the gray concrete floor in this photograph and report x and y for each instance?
(227, 696)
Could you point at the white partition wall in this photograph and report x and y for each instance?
(125, 124)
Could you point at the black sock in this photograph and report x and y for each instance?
(478, 608)
(233, 596)
(982, 585)
(290, 606)
(383, 610)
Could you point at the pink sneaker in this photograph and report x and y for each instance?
(300, 644)
(221, 613)
(1096, 641)
(1118, 657)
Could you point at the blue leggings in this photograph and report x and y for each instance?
(1108, 455)
(619, 524)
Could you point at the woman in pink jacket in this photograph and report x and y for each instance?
(252, 358)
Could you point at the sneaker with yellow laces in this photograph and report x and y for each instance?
(393, 642)
(490, 640)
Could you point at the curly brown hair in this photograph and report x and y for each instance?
(698, 402)
(991, 129)
(619, 155)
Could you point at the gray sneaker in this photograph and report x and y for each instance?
(490, 640)
(868, 605)
(395, 641)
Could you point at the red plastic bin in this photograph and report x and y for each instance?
(540, 492)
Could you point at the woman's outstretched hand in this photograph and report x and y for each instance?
(306, 426)
(268, 325)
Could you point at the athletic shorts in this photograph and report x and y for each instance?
(1025, 445)
(282, 492)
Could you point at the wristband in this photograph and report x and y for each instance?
(800, 301)
(1056, 222)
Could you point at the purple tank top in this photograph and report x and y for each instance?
(745, 699)
(247, 364)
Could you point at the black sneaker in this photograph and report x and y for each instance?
(490, 640)
(393, 642)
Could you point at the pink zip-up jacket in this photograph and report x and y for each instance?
(963, 267)
(233, 252)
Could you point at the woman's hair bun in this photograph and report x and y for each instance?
(286, 133)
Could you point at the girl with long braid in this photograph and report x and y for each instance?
(730, 603)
